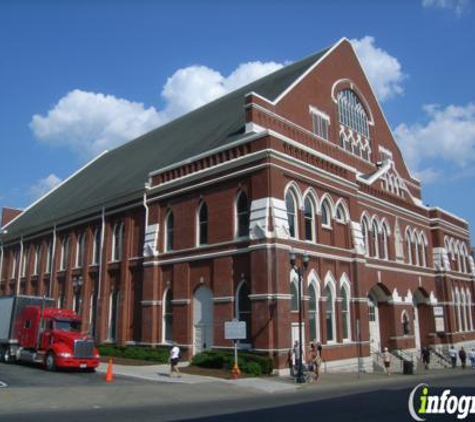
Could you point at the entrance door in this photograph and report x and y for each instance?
(374, 335)
(417, 333)
(203, 328)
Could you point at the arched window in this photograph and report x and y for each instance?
(365, 232)
(385, 242)
(415, 244)
(117, 241)
(351, 112)
(243, 309)
(14, 264)
(313, 322)
(459, 313)
(290, 203)
(409, 248)
(464, 311)
(326, 215)
(330, 314)
(423, 251)
(167, 316)
(242, 215)
(65, 253)
(113, 314)
(80, 251)
(406, 327)
(37, 263)
(170, 226)
(25, 261)
(341, 215)
(294, 297)
(49, 257)
(469, 309)
(345, 313)
(96, 247)
(203, 224)
(375, 234)
(309, 215)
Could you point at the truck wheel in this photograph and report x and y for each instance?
(7, 356)
(50, 362)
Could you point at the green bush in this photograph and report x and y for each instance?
(159, 354)
(249, 363)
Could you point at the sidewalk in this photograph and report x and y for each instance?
(278, 384)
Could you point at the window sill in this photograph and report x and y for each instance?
(327, 227)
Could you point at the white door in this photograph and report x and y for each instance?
(203, 328)
(374, 335)
(417, 333)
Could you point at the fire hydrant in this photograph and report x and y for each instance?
(236, 372)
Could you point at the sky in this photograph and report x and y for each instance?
(79, 77)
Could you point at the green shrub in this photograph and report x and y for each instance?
(159, 354)
(249, 363)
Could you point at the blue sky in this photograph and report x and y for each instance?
(78, 77)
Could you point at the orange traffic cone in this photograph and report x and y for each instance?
(110, 374)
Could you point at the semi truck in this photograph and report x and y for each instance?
(33, 330)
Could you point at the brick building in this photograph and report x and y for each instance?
(172, 234)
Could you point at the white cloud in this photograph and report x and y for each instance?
(448, 137)
(43, 186)
(458, 6)
(383, 70)
(89, 122)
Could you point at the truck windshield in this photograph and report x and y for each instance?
(67, 325)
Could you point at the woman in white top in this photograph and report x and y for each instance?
(174, 359)
(387, 361)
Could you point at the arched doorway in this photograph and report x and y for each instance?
(203, 327)
(422, 317)
(378, 309)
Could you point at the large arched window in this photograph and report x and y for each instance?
(117, 241)
(309, 215)
(243, 309)
(80, 251)
(330, 314)
(409, 248)
(291, 205)
(464, 311)
(341, 215)
(326, 214)
(49, 257)
(114, 298)
(385, 241)
(345, 313)
(167, 316)
(423, 251)
(459, 313)
(37, 263)
(351, 112)
(242, 215)
(469, 309)
(313, 321)
(202, 224)
(170, 227)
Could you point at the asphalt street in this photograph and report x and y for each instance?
(133, 400)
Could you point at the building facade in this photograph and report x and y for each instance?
(169, 236)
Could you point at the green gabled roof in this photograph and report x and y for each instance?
(120, 174)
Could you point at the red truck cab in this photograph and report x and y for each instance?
(54, 337)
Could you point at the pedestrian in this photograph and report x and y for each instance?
(297, 356)
(453, 356)
(471, 357)
(312, 354)
(319, 349)
(291, 362)
(426, 357)
(463, 357)
(387, 361)
(174, 359)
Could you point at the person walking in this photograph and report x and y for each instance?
(387, 361)
(471, 357)
(426, 357)
(463, 357)
(453, 356)
(291, 362)
(174, 359)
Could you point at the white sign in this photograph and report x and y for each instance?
(439, 325)
(438, 311)
(235, 330)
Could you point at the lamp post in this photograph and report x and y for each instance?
(300, 270)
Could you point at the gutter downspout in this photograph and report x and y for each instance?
(146, 209)
(101, 253)
(19, 267)
(52, 263)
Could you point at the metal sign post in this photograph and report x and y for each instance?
(235, 330)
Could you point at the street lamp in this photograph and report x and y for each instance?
(300, 270)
